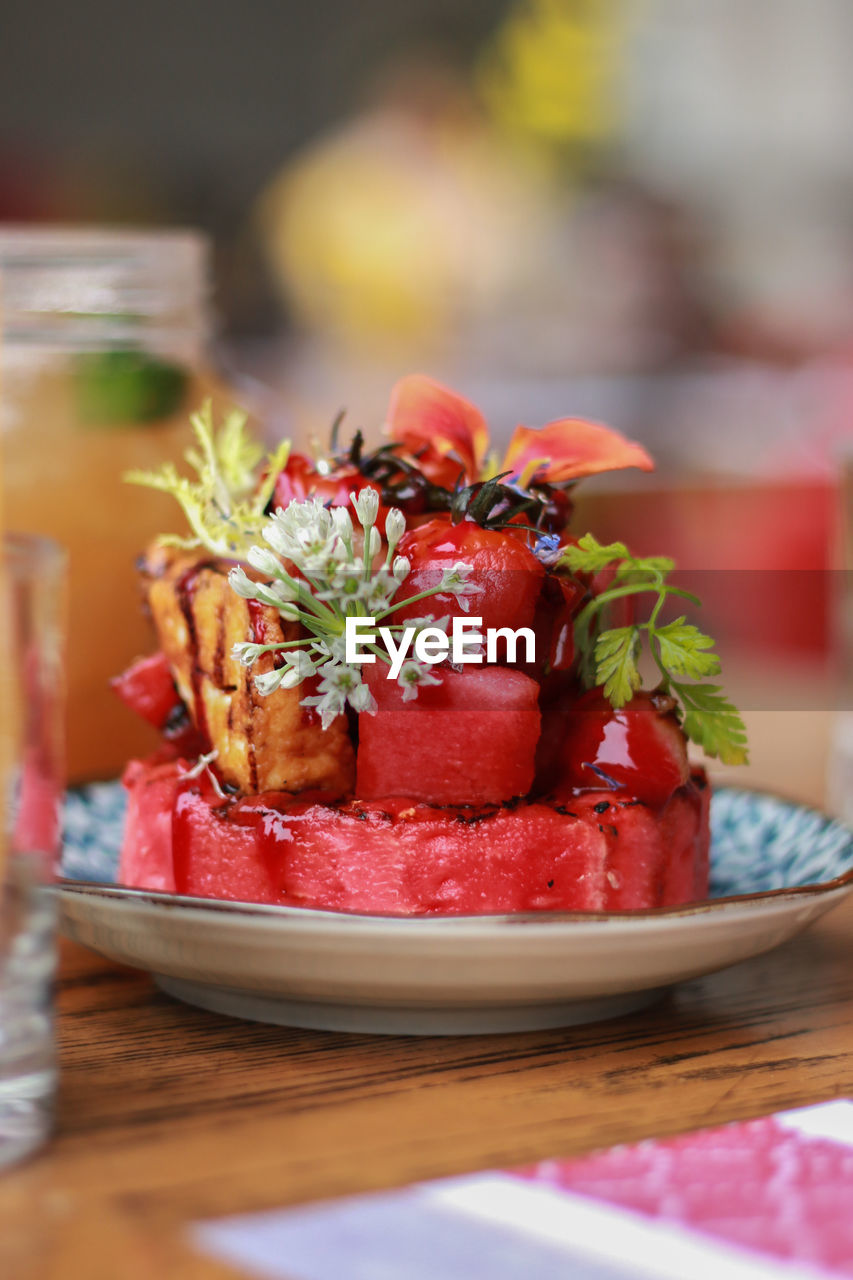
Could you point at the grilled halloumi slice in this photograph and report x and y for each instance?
(263, 742)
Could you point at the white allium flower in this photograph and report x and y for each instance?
(318, 562)
(276, 594)
(279, 596)
(299, 666)
(455, 580)
(338, 682)
(395, 527)
(374, 542)
(311, 514)
(412, 675)
(265, 561)
(267, 682)
(290, 612)
(344, 585)
(342, 523)
(366, 505)
(279, 538)
(290, 679)
(331, 647)
(301, 529)
(246, 653)
(240, 581)
(378, 592)
(340, 676)
(285, 592)
(362, 700)
(401, 568)
(419, 624)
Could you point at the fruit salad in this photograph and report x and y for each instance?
(393, 679)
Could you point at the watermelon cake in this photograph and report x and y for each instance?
(395, 680)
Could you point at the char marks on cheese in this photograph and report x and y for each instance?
(263, 743)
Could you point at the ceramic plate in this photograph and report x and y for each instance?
(776, 867)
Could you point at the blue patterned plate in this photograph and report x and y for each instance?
(776, 866)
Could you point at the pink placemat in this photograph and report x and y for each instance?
(767, 1198)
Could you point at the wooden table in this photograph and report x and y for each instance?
(168, 1115)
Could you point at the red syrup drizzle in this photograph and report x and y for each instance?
(274, 837)
(279, 821)
(260, 632)
(269, 835)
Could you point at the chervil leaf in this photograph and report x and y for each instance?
(644, 566)
(616, 664)
(589, 556)
(713, 722)
(225, 504)
(680, 650)
(685, 651)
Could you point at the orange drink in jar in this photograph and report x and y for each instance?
(101, 363)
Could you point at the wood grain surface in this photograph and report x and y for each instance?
(168, 1114)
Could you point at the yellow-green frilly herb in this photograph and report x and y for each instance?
(225, 504)
(684, 656)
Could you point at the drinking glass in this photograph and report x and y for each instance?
(32, 573)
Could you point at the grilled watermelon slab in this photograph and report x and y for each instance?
(600, 851)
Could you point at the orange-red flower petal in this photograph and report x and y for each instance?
(423, 413)
(570, 448)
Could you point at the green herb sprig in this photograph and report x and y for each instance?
(225, 504)
(684, 656)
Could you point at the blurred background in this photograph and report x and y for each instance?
(635, 210)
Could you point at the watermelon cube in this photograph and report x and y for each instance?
(148, 688)
(469, 740)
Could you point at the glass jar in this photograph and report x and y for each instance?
(103, 358)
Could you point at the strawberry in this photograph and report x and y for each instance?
(301, 479)
(504, 568)
(639, 748)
